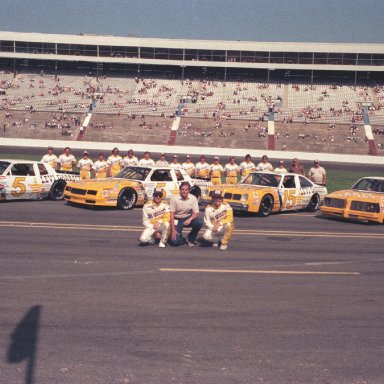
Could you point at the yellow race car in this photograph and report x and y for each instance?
(363, 202)
(268, 192)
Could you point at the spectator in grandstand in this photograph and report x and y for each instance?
(67, 160)
(281, 168)
(231, 170)
(130, 159)
(50, 158)
(317, 174)
(188, 166)
(247, 166)
(85, 165)
(115, 162)
(264, 165)
(296, 167)
(162, 162)
(175, 162)
(202, 168)
(146, 161)
(100, 167)
(216, 170)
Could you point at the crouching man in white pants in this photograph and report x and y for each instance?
(218, 218)
(156, 220)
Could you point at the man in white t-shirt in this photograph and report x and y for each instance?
(146, 161)
(67, 160)
(264, 166)
(50, 158)
(317, 174)
(130, 159)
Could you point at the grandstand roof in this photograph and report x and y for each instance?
(193, 44)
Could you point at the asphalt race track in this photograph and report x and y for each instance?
(297, 298)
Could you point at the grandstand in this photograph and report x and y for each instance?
(284, 96)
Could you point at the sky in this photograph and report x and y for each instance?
(344, 21)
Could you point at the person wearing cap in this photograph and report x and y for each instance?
(50, 158)
(67, 160)
(188, 166)
(100, 167)
(216, 170)
(281, 168)
(85, 165)
(264, 165)
(162, 162)
(115, 162)
(156, 220)
(317, 174)
(247, 166)
(218, 218)
(185, 211)
(202, 168)
(296, 167)
(130, 159)
(175, 162)
(146, 161)
(231, 170)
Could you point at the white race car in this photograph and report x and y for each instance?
(32, 180)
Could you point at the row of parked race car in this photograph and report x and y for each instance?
(261, 193)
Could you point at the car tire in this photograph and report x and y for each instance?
(314, 203)
(266, 206)
(127, 199)
(196, 191)
(57, 190)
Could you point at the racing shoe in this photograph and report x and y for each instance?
(161, 245)
(215, 244)
(223, 247)
(190, 243)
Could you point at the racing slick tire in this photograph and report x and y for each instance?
(314, 203)
(266, 206)
(57, 190)
(196, 191)
(127, 199)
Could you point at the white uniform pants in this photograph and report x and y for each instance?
(147, 234)
(224, 234)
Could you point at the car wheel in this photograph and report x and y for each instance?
(314, 203)
(266, 206)
(195, 191)
(127, 199)
(57, 190)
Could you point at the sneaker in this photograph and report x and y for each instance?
(215, 245)
(152, 241)
(223, 247)
(161, 245)
(190, 243)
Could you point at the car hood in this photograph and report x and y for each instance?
(355, 194)
(103, 183)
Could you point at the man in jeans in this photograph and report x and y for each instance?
(184, 213)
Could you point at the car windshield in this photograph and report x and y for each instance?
(263, 179)
(3, 166)
(369, 184)
(133, 173)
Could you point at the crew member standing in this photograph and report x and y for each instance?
(247, 166)
(231, 171)
(202, 168)
(130, 159)
(317, 174)
(100, 167)
(50, 158)
(216, 171)
(188, 166)
(67, 160)
(147, 161)
(114, 162)
(85, 166)
(156, 220)
(264, 165)
(218, 218)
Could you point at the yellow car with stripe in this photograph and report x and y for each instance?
(269, 192)
(363, 202)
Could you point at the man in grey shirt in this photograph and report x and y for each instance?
(184, 213)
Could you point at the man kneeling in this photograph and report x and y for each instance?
(156, 220)
(218, 218)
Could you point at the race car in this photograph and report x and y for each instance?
(131, 187)
(268, 192)
(363, 202)
(32, 180)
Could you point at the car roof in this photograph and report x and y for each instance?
(20, 161)
(373, 177)
(279, 173)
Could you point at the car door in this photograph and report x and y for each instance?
(160, 178)
(289, 193)
(306, 191)
(22, 182)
